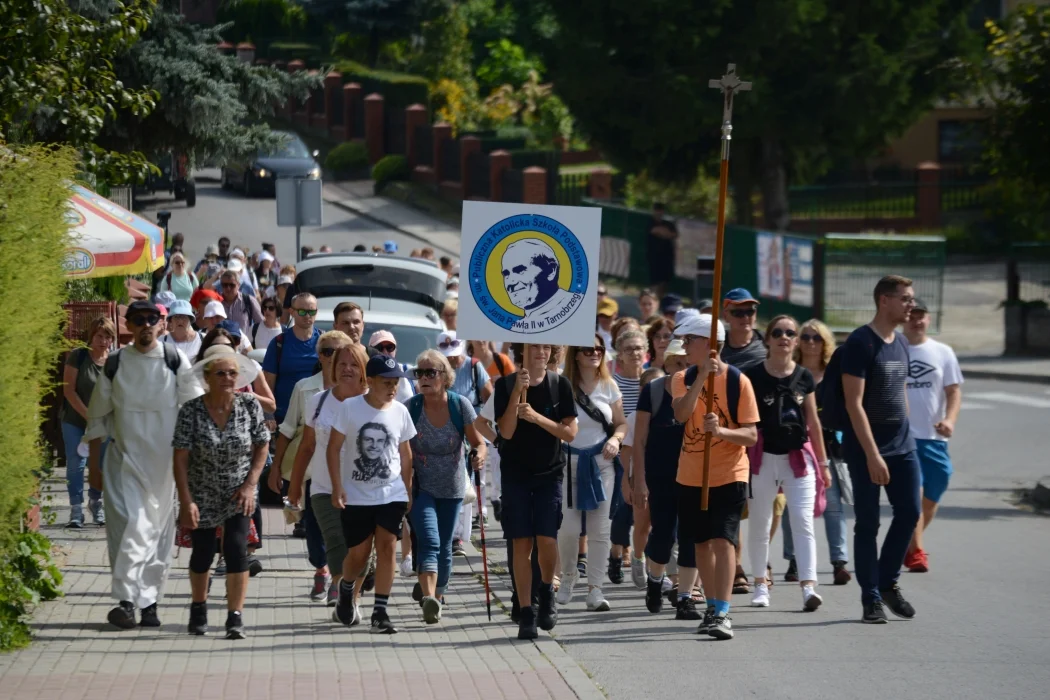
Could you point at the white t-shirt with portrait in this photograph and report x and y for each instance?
(317, 469)
(591, 432)
(371, 460)
(932, 367)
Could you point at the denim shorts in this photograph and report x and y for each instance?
(531, 508)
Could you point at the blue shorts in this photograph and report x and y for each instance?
(531, 508)
(936, 468)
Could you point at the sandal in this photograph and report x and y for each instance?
(740, 584)
(698, 595)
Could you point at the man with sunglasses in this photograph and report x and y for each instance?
(292, 355)
(241, 307)
(744, 344)
(135, 404)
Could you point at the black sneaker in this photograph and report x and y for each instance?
(369, 583)
(792, 573)
(344, 610)
(457, 549)
(527, 624)
(581, 566)
(122, 616)
(708, 621)
(615, 571)
(547, 617)
(672, 596)
(894, 600)
(686, 609)
(874, 613)
(299, 530)
(234, 625)
(148, 616)
(198, 619)
(417, 593)
(515, 608)
(721, 627)
(497, 510)
(255, 566)
(381, 623)
(654, 597)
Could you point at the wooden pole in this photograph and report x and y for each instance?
(729, 84)
(525, 364)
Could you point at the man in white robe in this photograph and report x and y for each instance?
(137, 410)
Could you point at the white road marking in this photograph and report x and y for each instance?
(973, 406)
(1016, 399)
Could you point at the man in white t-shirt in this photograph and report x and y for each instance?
(934, 395)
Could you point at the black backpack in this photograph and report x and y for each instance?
(171, 359)
(833, 414)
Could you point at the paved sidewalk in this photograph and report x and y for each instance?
(358, 197)
(293, 649)
(1021, 369)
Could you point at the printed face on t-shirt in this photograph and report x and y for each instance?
(372, 441)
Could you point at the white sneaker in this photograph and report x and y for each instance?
(596, 602)
(811, 600)
(638, 576)
(568, 582)
(406, 566)
(760, 599)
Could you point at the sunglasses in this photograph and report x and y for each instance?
(224, 373)
(386, 347)
(446, 344)
(149, 320)
(269, 307)
(427, 373)
(229, 285)
(811, 338)
(178, 262)
(306, 312)
(327, 352)
(742, 313)
(591, 352)
(781, 332)
(662, 336)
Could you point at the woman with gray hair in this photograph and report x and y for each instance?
(631, 346)
(444, 424)
(220, 445)
(180, 280)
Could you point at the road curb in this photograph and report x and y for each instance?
(345, 205)
(1005, 376)
(570, 670)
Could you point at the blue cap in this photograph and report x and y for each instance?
(390, 247)
(231, 327)
(738, 296)
(180, 307)
(670, 304)
(383, 366)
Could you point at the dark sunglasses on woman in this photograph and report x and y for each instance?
(446, 344)
(591, 352)
(781, 332)
(327, 352)
(428, 373)
(811, 338)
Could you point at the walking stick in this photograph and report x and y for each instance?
(729, 85)
(481, 522)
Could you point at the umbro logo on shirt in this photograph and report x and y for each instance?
(919, 369)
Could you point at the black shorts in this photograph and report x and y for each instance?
(531, 508)
(360, 522)
(721, 520)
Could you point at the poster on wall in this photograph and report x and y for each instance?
(785, 268)
(800, 271)
(531, 273)
(695, 238)
(770, 248)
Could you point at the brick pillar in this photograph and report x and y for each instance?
(534, 185)
(333, 86)
(351, 94)
(498, 162)
(928, 204)
(374, 127)
(293, 105)
(599, 186)
(415, 116)
(467, 145)
(246, 52)
(442, 131)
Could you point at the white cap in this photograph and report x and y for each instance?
(238, 253)
(450, 345)
(265, 256)
(682, 314)
(284, 279)
(235, 265)
(213, 309)
(699, 325)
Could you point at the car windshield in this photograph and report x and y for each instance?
(411, 340)
(368, 280)
(291, 147)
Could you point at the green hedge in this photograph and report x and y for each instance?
(350, 155)
(397, 89)
(388, 169)
(34, 197)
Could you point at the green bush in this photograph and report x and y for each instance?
(399, 90)
(34, 198)
(389, 169)
(351, 155)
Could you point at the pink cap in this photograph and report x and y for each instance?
(380, 337)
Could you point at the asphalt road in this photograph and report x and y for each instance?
(252, 221)
(981, 626)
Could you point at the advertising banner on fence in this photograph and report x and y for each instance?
(530, 271)
(695, 238)
(785, 268)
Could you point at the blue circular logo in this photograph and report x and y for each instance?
(528, 273)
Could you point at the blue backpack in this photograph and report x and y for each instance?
(455, 410)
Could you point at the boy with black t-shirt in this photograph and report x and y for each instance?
(532, 460)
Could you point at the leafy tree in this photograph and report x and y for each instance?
(380, 20)
(506, 63)
(263, 21)
(832, 80)
(211, 105)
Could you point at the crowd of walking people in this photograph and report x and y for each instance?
(593, 456)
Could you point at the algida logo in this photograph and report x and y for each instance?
(528, 273)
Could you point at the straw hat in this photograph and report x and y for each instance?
(247, 369)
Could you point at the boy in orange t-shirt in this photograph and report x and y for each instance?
(715, 531)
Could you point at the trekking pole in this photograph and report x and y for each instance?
(729, 84)
(481, 522)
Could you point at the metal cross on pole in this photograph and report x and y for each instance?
(729, 84)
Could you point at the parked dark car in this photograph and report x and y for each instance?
(259, 174)
(174, 178)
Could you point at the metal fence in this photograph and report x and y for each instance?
(317, 101)
(572, 188)
(394, 131)
(122, 195)
(513, 185)
(450, 160)
(479, 175)
(424, 145)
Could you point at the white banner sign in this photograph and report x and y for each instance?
(529, 273)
